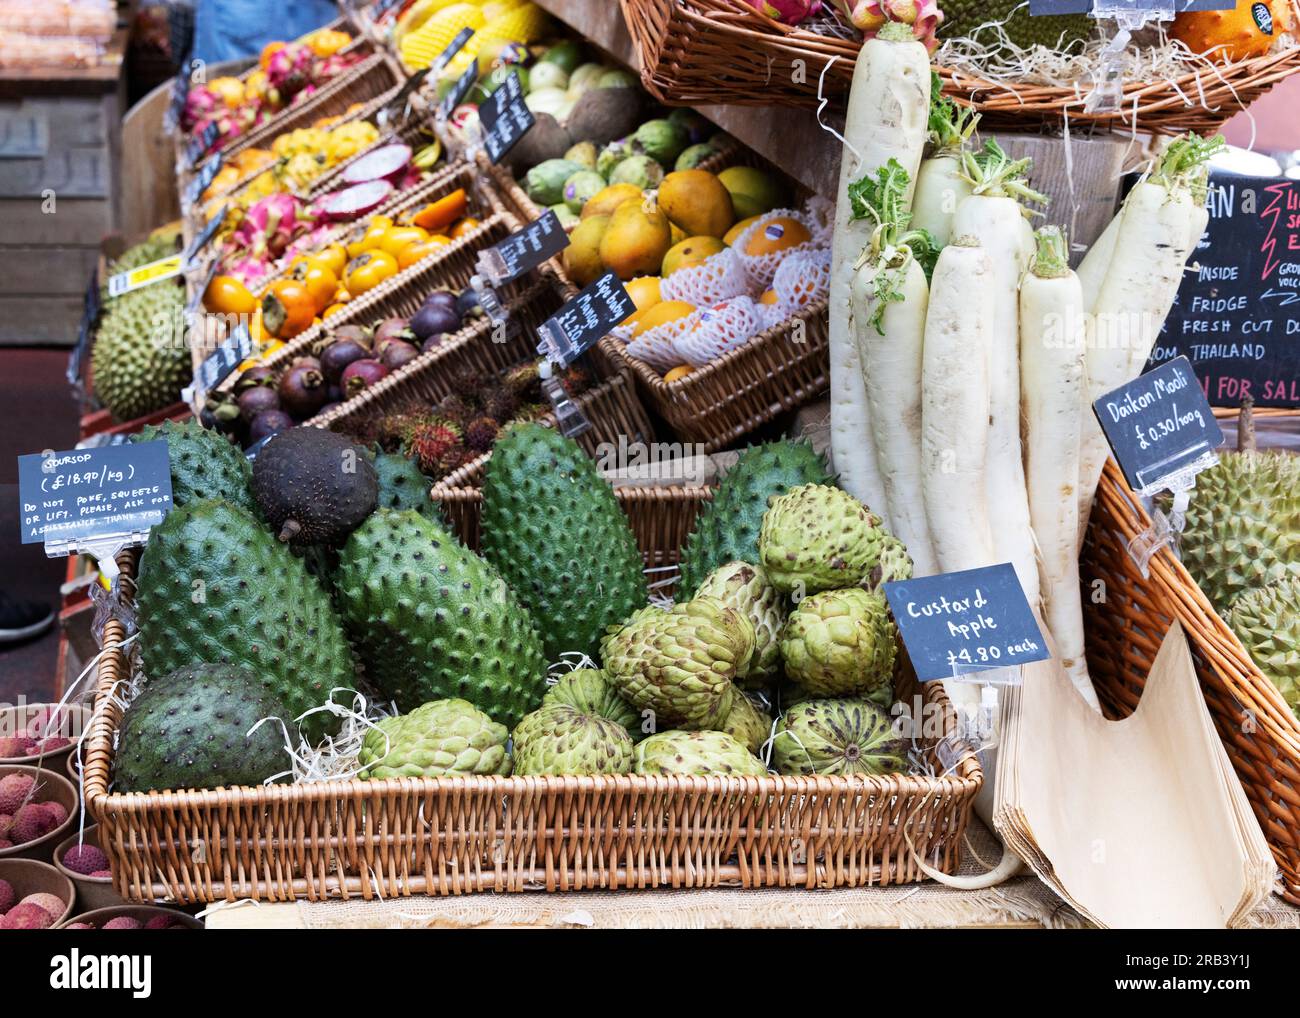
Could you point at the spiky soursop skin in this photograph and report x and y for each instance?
(432, 620)
(559, 739)
(554, 530)
(140, 361)
(204, 464)
(215, 586)
(314, 486)
(590, 691)
(1267, 621)
(817, 538)
(697, 753)
(747, 589)
(728, 526)
(1243, 525)
(187, 729)
(402, 485)
(840, 643)
(680, 662)
(743, 719)
(847, 736)
(436, 739)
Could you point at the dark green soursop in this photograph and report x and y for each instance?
(402, 485)
(314, 486)
(432, 620)
(204, 464)
(727, 528)
(188, 729)
(554, 530)
(140, 361)
(216, 587)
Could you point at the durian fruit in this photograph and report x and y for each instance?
(140, 360)
(965, 17)
(1267, 621)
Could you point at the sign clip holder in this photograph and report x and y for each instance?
(1164, 529)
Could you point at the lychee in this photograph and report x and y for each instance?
(7, 896)
(6, 822)
(50, 745)
(103, 874)
(26, 917)
(6, 843)
(56, 810)
(159, 922)
(79, 926)
(52, 903)
(31, 822)
(48, 721)
(87, 860)
(13, 747)
(123, 922)
(14, 791)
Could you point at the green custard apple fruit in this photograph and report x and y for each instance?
(1243, 524)
(188, 729)
(432, 620)
(204, 465)
(840, 643)
(816, 538)
(314, 486)
(1267, 621)
(438, 738)
(895, 564)
(746, 588)
(845, 736)
(727, 528)
(745, 720)
(553, 528)
(140, 361)
(680, 662)
(215, 586)
(661, 140)
(696, 753)
(559, 739)
(590, 691)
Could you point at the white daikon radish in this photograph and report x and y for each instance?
(994, 218)
(890, 296)
(1092, 270)
(940, 184)
(886, 119)
(1161, 221)
(1052, 391)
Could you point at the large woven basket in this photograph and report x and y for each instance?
(1126, 626)
(723, 51)
(376, 839)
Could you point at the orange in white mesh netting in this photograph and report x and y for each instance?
(802, 279)
(656, 346)
(715, 279)
(715, 331)
(765, 244)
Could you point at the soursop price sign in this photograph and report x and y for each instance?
(960, 624)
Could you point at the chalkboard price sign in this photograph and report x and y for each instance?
(956, 624)
(458, 91)
(1237, 317)
(541, 239)
(201, 142)
(576, 327)
(206, 175)
(505, 118)
(218, 365)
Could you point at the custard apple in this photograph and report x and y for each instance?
(840, 643)
(559, 739)
(698, 753)
(437, 738)
(895, 564)
(745, 720)
(1267, 621)
(837, 737)
(817, 538)
(680, 662)
(746, 588)
(590, 691)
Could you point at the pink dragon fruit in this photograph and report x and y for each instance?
(269, 226)
(200, 104)
(289, 69)
(788, 12)
(870, 16)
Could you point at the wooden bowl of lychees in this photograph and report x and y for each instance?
(37, 808)
(33, 895)
(40, 732)
(81, 859)
(133, 917)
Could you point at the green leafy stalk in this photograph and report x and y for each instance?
(994, 173)
(1183, 163)
(950, 125)
(1050, 260)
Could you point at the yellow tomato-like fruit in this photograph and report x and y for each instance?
(463, 227)
(335, 256)
(678, 373)
(226, 295)
(318, 277)
(368, 270)
(400, 236)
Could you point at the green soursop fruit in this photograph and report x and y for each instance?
(433, 620)
(747, 589)
(1267, 621)
(402, 485)
(837, 737)
(438, 738)
(553, 528)
(187, 729)
(1243, 524)
(216, 587)
(314, 486)
(204, 464)
(590, 691)
(965, 17)
(680, 662)
(559, 739)
(744, 720)
(840, 643)
(697, 753)
(816, 537)
(727, 528)
(140, 362)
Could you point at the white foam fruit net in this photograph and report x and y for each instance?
(820, 213)
(803, 278)
(715, 331)
(718, 278)
(762, 268)
(657, 346)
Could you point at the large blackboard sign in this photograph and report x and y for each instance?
(1237, 317)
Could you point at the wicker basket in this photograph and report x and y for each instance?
(378, 839)
(723, 51)
(1258, 730)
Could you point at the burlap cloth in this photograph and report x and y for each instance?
(1020, 902)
